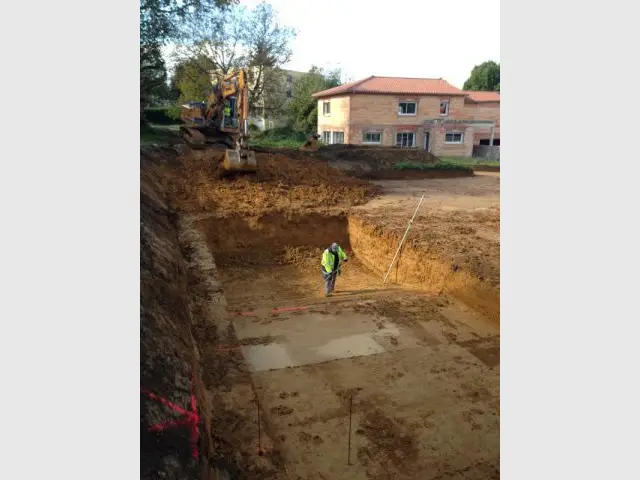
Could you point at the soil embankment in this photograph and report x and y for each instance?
(373, 163)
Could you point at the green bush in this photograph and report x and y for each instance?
(279, 137)
(471, 161)
(162, 115)
(173, 112)
(433, 166)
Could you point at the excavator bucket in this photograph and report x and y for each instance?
(311, 143)
(240, 161)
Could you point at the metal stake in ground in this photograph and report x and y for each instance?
(350, 412)
(403, 239)
(259, 439)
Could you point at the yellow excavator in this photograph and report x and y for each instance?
(222, 121)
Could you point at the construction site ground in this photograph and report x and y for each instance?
(282, 372)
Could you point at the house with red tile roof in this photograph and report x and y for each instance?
(427, 113)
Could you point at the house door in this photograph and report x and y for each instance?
(426, 141)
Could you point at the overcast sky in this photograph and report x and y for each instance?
(403, 38)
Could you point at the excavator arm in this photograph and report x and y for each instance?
(223, 120)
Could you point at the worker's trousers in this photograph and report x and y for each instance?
(329, 281)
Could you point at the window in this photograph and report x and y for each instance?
(331, 138)
(288, 93)
(326, 108)
(405, 139)
(453, 137)
(444, 107)
(372, 137)
(407, 108)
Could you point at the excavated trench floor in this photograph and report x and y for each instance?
(421, 370)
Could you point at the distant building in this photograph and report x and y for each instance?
(265, 119)
(425, 113)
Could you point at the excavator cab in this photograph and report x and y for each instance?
(230, 114)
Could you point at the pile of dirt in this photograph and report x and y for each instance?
(281, 183)
(372, 162)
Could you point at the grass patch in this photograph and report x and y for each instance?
(441, 165)
(283, 137)
(471, 161)
(157, 135)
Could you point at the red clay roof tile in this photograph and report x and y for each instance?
(484, 96)
(394, 85)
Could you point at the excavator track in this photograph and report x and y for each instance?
(193, 137)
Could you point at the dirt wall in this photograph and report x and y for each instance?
(176, 339)
(168, 353)
(376, 247)
(272, 233)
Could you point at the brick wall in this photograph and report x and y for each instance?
(441, 149)
(383, 109)
(338, 119)
(483, 111)
(380, 113)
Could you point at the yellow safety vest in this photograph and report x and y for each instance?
(327, 259)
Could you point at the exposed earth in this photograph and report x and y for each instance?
(231, 296)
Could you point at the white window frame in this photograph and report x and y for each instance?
(446, 113)
(371, 132)
(407, 114)
(413, 144)
(333, 137)
(326, 137)
(326, 108)
(454, 142)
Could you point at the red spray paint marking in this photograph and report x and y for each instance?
(275, 310)
(288, 309)
(227, 348)
(191, 418)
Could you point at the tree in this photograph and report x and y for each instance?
(267, 43)
(159, 20)
(231, 38)
(153, 76)
(191, 80)
(303, 108)
(484, 77)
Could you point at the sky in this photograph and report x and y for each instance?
(401, 38)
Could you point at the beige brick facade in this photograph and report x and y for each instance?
(338, 118)
(357, 114)
(483, 111)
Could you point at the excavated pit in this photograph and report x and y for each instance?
(420, 368)
(265, 246)
(308, 354)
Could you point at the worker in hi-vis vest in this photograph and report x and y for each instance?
(331, 259)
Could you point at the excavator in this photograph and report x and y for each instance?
(222, 121)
